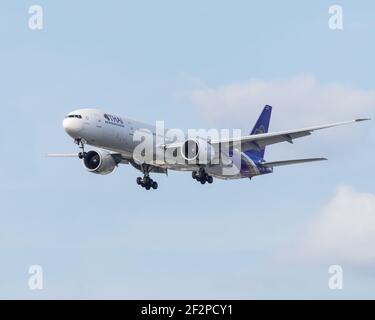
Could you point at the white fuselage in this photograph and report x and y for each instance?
(114, 133)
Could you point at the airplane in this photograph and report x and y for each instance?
(113, 139)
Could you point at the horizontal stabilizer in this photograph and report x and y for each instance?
(289, 162)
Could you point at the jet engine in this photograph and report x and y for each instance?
(99, 161)
(199, 150)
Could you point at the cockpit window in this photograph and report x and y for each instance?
(74, 116)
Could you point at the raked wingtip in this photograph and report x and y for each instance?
(362, 119)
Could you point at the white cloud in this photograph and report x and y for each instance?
(299, 100)
(344, 231)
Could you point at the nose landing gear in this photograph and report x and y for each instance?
(81, 143)
(202, 176)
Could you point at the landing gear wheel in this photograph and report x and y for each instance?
(210, 179)
(203, 181)
(82, 155)
(154, 185)
(139, 181)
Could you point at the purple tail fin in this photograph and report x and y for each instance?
(260, 127)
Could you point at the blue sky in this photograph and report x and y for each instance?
(104, 237)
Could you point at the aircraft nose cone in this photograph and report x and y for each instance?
(73, 127)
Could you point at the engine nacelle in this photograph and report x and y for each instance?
(199, 150)
(99, 161)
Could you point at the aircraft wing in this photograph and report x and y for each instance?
(259, 141)
(119, 158)
(62, 155)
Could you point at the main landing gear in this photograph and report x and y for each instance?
(202, 176)
(146, 182)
